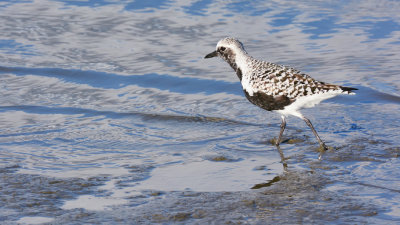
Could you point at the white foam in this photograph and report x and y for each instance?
(34, 220)
(90, 202)
(209, 176)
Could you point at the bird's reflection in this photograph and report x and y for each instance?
(277, 178)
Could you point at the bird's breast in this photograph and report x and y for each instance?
(247, 85)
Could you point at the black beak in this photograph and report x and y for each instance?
(212, 54)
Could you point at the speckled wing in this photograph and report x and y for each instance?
(279, 80)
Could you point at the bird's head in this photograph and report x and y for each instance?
(227, 48)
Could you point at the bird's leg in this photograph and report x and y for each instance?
(283, 160)
(283, 125)
(321, 143)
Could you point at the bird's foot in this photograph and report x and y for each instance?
(322, 147)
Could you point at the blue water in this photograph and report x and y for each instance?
(109, 113)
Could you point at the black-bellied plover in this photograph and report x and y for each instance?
(275, 87)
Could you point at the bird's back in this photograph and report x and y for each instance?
(276, 80)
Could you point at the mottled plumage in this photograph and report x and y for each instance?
(275, 87)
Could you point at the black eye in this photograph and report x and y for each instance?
(222, 49)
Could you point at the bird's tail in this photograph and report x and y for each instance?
(348, 89)
(338, 87)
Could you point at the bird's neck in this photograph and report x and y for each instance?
(240, 62)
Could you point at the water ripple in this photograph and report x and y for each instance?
(185, 85)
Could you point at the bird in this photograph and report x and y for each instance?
(275, 87)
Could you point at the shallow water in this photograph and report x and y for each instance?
(110, 114)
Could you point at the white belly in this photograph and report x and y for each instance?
(307, 102)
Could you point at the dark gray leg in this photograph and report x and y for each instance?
(283, 125)
(283, 160)
(321, 143)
